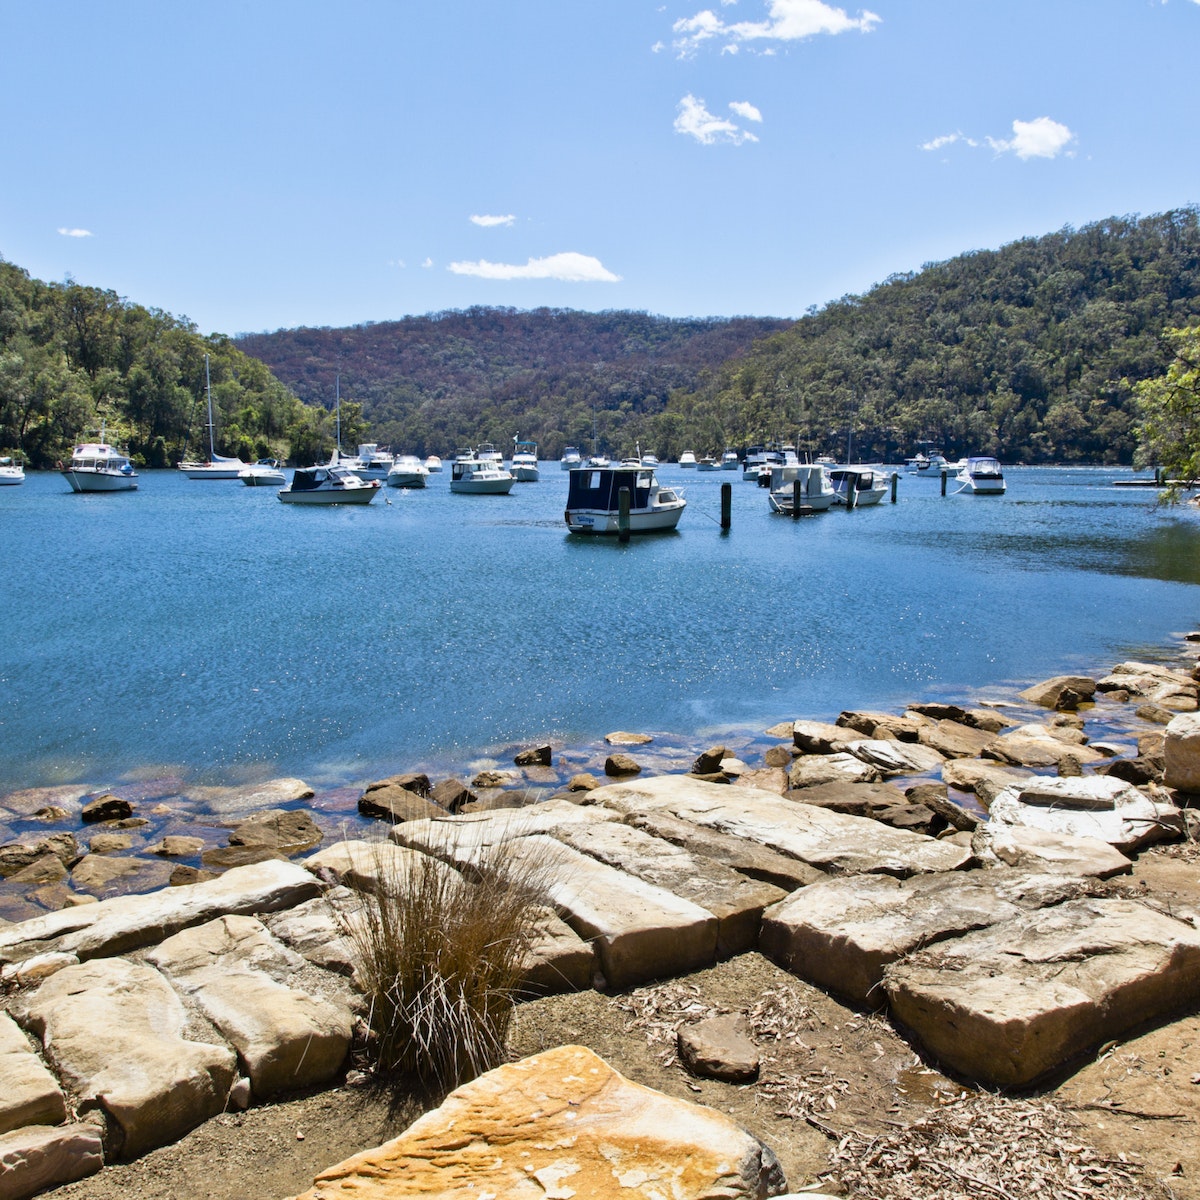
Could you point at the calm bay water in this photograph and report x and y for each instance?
(207, 629)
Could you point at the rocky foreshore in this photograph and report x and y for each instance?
(959, 870)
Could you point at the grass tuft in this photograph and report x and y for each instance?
(441, 958)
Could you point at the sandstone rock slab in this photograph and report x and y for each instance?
(826, 840)
(271, 793)
(897, 758)
(1181, 753)
(560, 1124)
(1009, 1004)
(41, 1156)
(842, 933)
(29, 1094)
(719, 1048)
(115, 1033)
(1051, 693)
(1027, 848)
(812, 770)
(558, 959)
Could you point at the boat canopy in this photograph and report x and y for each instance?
(600, 487)
(983, 466)
(305, 479)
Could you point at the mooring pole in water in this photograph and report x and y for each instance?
(895, 482)
(795, 498)
(726, 507)
(851, 494)
(944, 474)
(623, 515)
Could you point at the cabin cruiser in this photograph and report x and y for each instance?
(570, 459)
(99, 467)
(329, 484)
(708, 463)
(267, 472)
(594, 500)
(11, 471)
(433, 464)
(524, 464)
(687, 459)
(869, 484)
(729, 460)
(982, 476)
(407, 471)
(371, 463)
(806, 485)
(473, 475)
(931, 463)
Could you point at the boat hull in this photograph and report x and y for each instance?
(407, 479)
(100, 481)
(524, 473)
(482, 487)
(598, 520)
(202, 472)
(782, 502)
(332, 496)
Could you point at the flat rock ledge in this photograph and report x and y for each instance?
(127, 1022)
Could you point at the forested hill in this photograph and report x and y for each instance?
(432, 383)
(1029, 352)
(73, 359)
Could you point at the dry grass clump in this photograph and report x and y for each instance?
(441, 957)
(982, 1145)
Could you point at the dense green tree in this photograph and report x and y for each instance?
(1169, 411)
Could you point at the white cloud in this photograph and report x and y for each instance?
(1039, 138)
(567, 268)
(488, 222)
(787, 21)
(696, 121)
(75, 233)
(747, 111)
(948, 139)
(427, 263)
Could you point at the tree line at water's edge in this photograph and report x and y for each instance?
(1033, 352)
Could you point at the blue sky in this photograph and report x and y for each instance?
(261, 164)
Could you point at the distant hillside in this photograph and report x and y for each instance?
(73, 358)
(1029, 352)
(432, 383)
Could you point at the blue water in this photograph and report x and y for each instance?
(205, 629)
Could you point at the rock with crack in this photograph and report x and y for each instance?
(558, 1125)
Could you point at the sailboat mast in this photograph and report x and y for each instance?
(212, 445)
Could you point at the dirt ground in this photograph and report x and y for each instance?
(832, 1079)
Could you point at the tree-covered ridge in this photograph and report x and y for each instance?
(73, 358)
(1030, 352)
(431, 383)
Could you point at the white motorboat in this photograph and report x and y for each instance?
(11, 471)
(331, 484)
(407, 472)
(371, 462)
(472, 475)
(524, 464)
(594, 500)
(805, 484)
(570, 459)
(729, 460)
(216, 466)
(649, 460)
(599, 461)
(433, 464)
(99, 467)
(930, 463)
(487, 452)
(708, 463)
(267, 472)
(982, 476)
(687, 459)
(870, 485)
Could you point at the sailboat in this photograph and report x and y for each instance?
(216, 466)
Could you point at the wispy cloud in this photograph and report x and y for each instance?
(427, 263)
(489, 222)
(948, 139)
(694, 119)
(786, 21)
(75, 233)
(566, 268)
(1039, 138)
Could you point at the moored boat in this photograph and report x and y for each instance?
(524, 464)
(687, 459)
(216, 466)
(330, 484)
(371, 462)
(433, 464)
(869, 484)
(570, 459)
(708, 463)
(982, 476)
(594, 500)
(806, 485)
(11, 471)
(267, 472)
(99, 467)
(407, 472)
(472, 475)
(729, 460)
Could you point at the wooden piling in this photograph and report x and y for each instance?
(623, 515)
(726, 507)
(796, 501)
(895, 484)
(945, 472)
